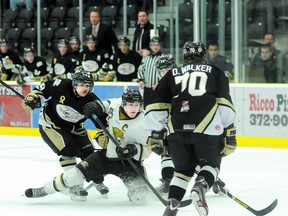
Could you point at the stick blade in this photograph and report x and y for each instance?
(266, 210)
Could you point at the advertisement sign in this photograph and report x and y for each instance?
(11, 111)
(261, 110)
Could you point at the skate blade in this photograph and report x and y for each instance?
(78, 198)
(198, 204)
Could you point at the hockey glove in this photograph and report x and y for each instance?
(94, 107)
(127, 152)
(157, 142)
(102, 139)
(31, 102)
(229, 141)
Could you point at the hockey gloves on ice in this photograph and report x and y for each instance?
(93, 107)
(126, 152)
(157, 142)
(31, 102)
(229, 141)
(102, 139)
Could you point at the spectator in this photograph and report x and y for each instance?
(269, 38)
(148, 74)
(266, 64)
(218, 60)
(14, 4)
(104, 34)
(142, 33)
(10, 62)
(126, 61)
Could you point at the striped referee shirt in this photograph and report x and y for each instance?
(148, 72)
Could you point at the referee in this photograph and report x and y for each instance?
(148, 75)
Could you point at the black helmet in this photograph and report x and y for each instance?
(91, 38)
(155, 40)
(124, 41)
(3, 41)
(165, 61)
(131, 96)
(74, 39)
(82, 76)
(62, 42)
(192, 49)
(29, 50)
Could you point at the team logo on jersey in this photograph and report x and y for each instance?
(118, 134)
(185, 106)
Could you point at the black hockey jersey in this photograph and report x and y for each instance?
(38, 67)
(198, 95)
(126, 65)
(63, 109)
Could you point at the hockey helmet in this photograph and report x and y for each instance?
(124, 41)
(29, 50)
(131, 96)
(74, 40)
(3, 42)
(62, 42)
(91, 38)
(155, 40)
(82, 76)
(192, 49)
(165, 61)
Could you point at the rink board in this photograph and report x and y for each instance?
(261, 121)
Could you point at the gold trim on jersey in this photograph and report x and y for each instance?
(205, 122)
(162, 106)
(55, 137)
(70, 162)
(158, 106)
(225, 102)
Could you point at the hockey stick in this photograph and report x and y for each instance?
(261, 212)
(164, 202)
(12, 89)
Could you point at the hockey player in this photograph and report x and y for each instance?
(74, 43)
(35, 68)
(93, 58)
(126, 62)
(164, 63)
(64, 63)
(125, 120)
(61, 118)
(202, 114)
(10, 62)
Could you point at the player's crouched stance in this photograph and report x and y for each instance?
(125, 120)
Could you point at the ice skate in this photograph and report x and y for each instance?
(78, 193)
(198, 195)
(163, 188)
(102, 189)
(171, 209)
(218, 184)
(35, 192)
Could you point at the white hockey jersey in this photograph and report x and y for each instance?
(126, 131)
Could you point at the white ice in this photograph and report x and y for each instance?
(255, 176)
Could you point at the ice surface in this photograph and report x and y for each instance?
(255, 176)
